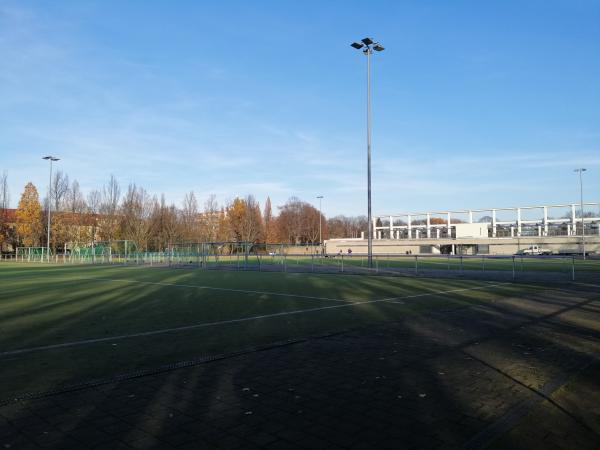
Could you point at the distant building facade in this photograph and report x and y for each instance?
(482, 231)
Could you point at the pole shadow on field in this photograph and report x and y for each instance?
(416, 380)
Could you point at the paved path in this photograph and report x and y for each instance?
(515, 374)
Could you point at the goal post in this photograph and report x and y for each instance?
(106, 252)
(32, 254)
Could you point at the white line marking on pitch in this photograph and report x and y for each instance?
(241, 291)
(243, 319)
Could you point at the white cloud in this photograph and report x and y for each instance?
(110, 113)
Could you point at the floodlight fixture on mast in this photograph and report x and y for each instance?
(51, 159)
(367, 45)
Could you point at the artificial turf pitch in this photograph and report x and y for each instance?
(65, 325)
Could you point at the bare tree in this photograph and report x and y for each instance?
(4, 204)
(94, 200)
(346, 227)
(252, 226)
(59, 189)
(4, 192)
(74, 200)
(311, 216)
(136, 211)
(268, 222)
(164, 224)
(109, 209)
(298, 222)
(153, 223)
(211, 219)
(74, 216)
(289, 222)
(189, 217)
(244, 219)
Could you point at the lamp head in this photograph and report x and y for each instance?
(367, 41)
(357, 45)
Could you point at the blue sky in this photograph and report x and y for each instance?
(476, 104)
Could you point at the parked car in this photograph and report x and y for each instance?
(534, 250)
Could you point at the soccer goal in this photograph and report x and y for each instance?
(213, 254)
(104, 252)
(32, 254)
(118, 251)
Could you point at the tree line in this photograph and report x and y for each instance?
(113, 213)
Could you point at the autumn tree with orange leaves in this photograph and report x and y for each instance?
(245, 220)
(29, 217)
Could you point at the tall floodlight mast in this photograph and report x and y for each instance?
(367, 45)
(581, 170)
(320, 197)
(51, 159)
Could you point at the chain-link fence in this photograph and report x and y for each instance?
(522, 267)
(308, 258)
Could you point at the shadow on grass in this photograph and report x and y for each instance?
(429, 372)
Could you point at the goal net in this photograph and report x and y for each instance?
(32, 254)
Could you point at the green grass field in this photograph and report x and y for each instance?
(557, 264)
(454, 263)
(67, 324)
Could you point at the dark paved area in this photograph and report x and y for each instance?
(519, 373)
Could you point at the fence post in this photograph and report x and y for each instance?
(521, 263)
(416, 264)
(573, 268)
(448, 261)
(461, 264)
(483, 262)
(342, 262)
(513, 267)
(312, 263)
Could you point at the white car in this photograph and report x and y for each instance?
(534, 250)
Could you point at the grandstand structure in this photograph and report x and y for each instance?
(482, 231)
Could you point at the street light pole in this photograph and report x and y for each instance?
(320, 197)
(581, 170)
(51, 159)
(367, 45)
